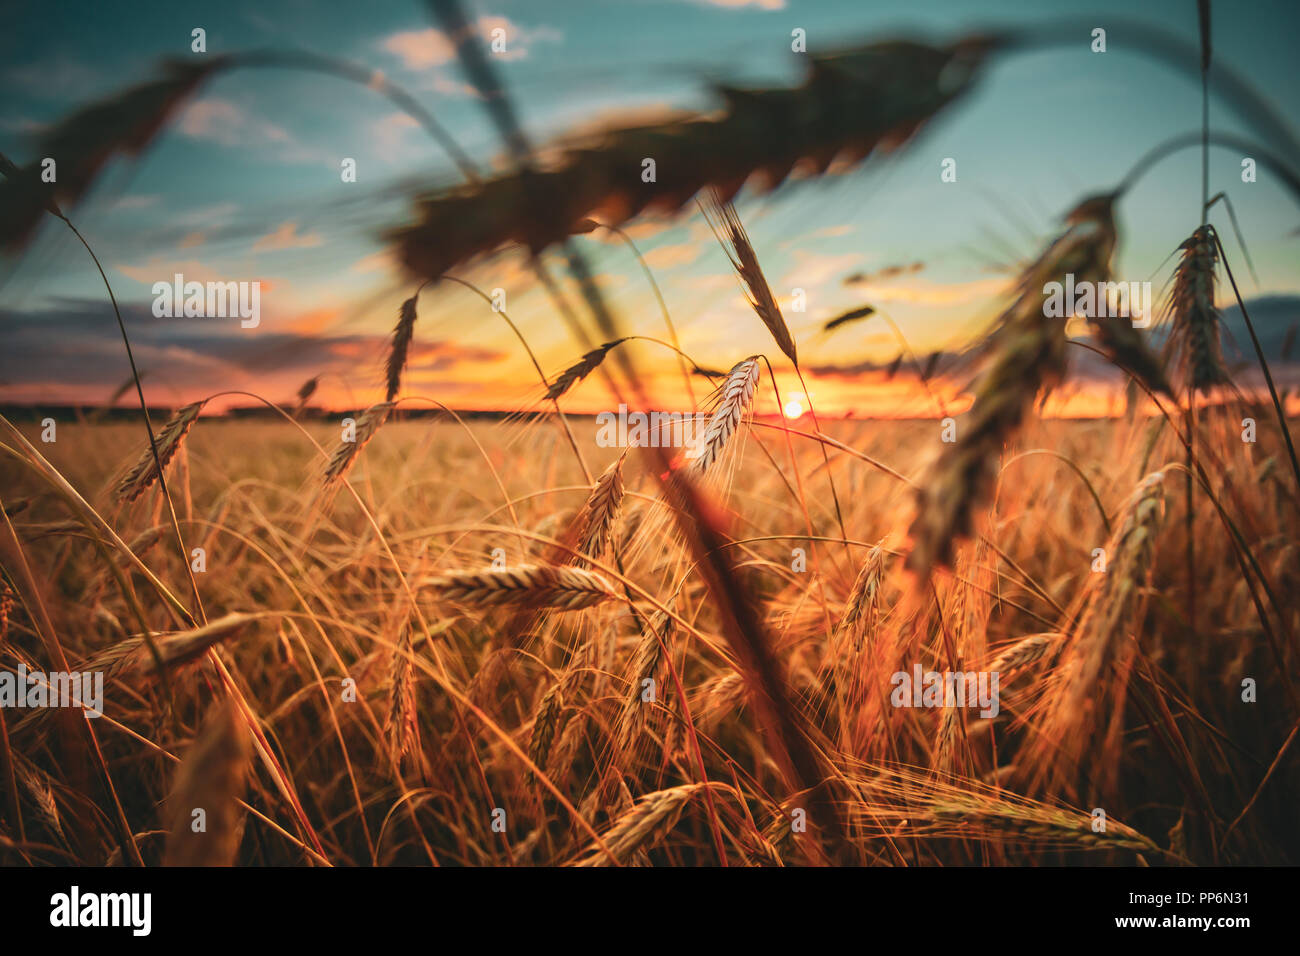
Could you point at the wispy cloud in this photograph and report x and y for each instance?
(286, 236)
(422, 49)
(737, 4)
(226, 123)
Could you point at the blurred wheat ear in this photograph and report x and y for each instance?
(82, 143)
(850, 105)
(1026, 360)
(210, 779)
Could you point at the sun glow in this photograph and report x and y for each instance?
(793, 408)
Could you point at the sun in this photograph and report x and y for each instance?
(793, 408)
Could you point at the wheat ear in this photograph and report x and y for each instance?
(601, 510)
(345, 455)
(144, 472)
(534, 585)
(737, 395)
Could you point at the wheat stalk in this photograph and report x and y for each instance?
(533, 585)
(720, 697)
(1037, 822)
(36, 784)
(1111, 612)
(844, 318)
(87, 139)
(580, 369)
(862, 609)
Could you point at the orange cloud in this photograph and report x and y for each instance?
(286, 236)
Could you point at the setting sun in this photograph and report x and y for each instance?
(793, 408)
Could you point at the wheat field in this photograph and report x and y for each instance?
(533, 705)
(396, 634)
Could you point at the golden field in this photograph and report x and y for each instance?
(534, 717)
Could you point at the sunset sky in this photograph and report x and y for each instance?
(244, 184)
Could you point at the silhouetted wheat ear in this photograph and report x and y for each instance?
(144, 472)
(83, 142)
(563, 588)
(735, 398)
(207, 788)
(305, 392)
(851, 105)
(731, 233)
(401, 344)
(1027, 358)
(308, 388)
(1193, 347)
(347, 451)
(845, 318)
(601, 510)
(580, 369)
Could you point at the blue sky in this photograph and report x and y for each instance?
(244, 184)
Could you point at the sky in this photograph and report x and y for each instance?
(243, 184)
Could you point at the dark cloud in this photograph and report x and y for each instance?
(1273, 317)
(77, 342)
